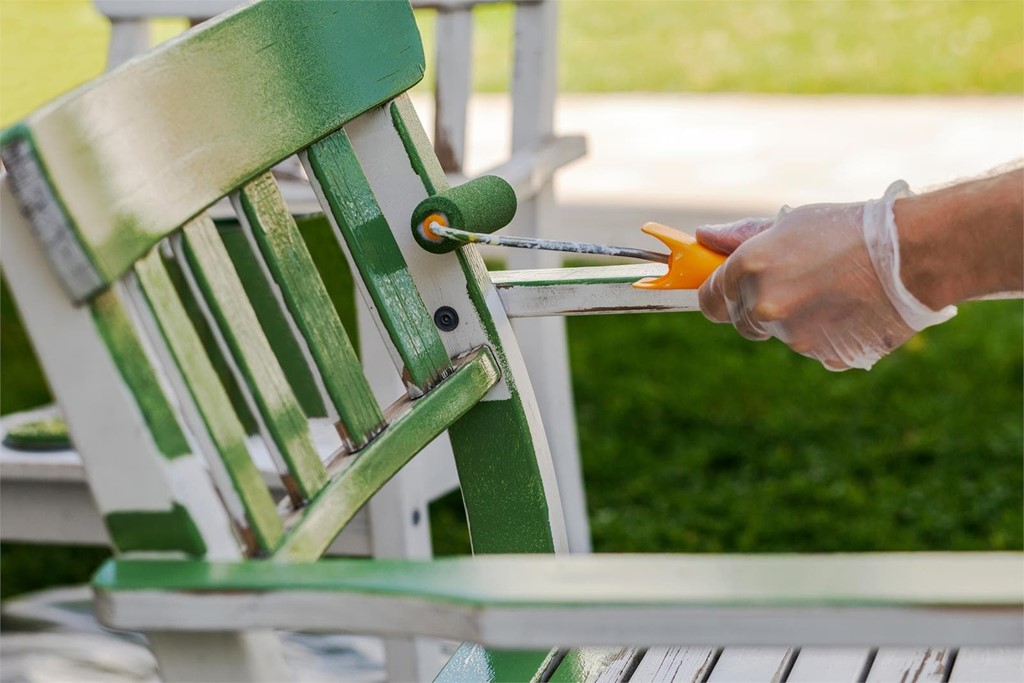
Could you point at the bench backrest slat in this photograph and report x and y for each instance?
(240, 483)
(277, 410)
(263, 214)
(347, 197)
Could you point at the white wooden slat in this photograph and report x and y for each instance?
(678, 664)
(592, 290)
(749, 664)
(619, 668)
(454, 38)
(830, 665)
(988, 664)
(910, 665)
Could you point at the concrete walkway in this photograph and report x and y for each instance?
(692, 159)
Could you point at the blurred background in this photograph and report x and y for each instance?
(692, 438)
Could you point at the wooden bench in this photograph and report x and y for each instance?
(105, 243)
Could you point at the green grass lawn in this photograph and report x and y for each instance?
(694, 439)
(869, 46)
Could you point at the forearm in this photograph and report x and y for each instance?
(963, 241)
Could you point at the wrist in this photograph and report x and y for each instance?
(964, 241)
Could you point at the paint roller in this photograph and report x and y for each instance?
(471, 212)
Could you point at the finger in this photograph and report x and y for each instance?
(741, 311)
(711, 296)
(726, 238)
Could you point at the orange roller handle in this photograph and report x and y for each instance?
(689, 265)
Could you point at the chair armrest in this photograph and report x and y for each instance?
(593, 290)
(538, 601)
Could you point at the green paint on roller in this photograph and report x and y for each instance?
(484, 204)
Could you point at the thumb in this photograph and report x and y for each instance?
(726, 238)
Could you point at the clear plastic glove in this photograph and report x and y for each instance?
(822, 278)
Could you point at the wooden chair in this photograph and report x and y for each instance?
(45, 498)
(105, 241)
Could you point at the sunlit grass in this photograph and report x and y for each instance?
(879, 46)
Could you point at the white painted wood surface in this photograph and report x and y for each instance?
(988, 665)
(107, 426)
(830, 665)
(910, 665)
(746, 664)
(679, 664)
(532, 601)
(587, 291)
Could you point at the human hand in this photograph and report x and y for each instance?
(822, 278)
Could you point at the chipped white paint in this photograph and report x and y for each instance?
(679, 664)
(911, 665)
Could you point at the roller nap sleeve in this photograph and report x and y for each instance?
(485, 204)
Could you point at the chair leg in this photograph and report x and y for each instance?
(228, 657)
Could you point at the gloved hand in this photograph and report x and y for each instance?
(823, 278)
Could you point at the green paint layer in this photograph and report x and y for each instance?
(417, 146)
(210, 398)
(592, 582)
(141, 530)
(379, 260)
(304, 293)
(118, 334)
(501, 487)
(413, 425)
(237, 321)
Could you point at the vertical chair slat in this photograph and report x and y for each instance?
(209, 263)
(265, 216)
(342, 184)
(211, 400)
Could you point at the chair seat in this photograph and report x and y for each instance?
(536, 601)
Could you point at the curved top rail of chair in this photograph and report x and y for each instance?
(108, 170)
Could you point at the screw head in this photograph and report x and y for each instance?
(446, 318)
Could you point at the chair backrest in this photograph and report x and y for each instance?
(106, 244)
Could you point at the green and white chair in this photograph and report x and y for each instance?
(105, 244)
